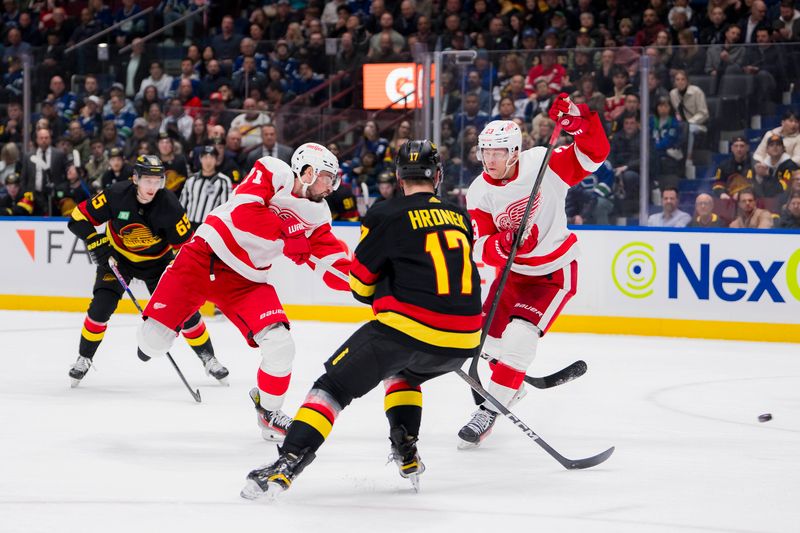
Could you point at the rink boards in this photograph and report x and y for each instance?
(731, 284)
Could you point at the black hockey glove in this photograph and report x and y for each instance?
(99, 248)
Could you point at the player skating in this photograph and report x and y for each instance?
(414, 266)
(544, 274)
(144, 223)
(275, 210)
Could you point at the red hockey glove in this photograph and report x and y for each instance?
(295, 243)
(498, 246)
(570, 116)
(335, 282)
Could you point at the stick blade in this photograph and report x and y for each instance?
(589, 462)
(196, 395)
(573, 371)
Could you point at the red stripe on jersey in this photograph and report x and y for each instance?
(229, 240)
(442, 321)
(573, 275)
(252, 217)
(482, 223)
(195, 331)
(258, 182)
(85, 212)
(93, 326)
(324, 410)
(506, 376)
(277, 386)
(552, 256)
(362, 272)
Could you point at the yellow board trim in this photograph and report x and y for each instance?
(315, 420)
(89, 336)
(199, 341)
(604, 325)
(362, 289)
(428, 335)
(403, 397)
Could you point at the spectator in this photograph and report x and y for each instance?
(371, 142)
(714, 32)
(704, 216)
(130, 29)
(670, 216)
(226, 42)
(688, 57)
(11, 124)
(213, 78)
(772, 176)
(226, 159)
(690, 103)
(191, 104)
(650, 28)
(615, 103)
(139, 134)
(122, 119)
(187, 73)
(387, 187)
(625, 157)
(65, 101)
(786, 26)
(43, 169)
(17, 202)
(248, 79)
(732, 171)
(97, 164)
(72, 191)
(471, 115)
(131, 70)
(475, 86)
(118, 169)
(756, 20)
(789, 131)
(269, 147)
(765, 63)
(177, 123)
(728, 55)
(80, 142)
(548, 70)
(367, 172)
(401, 135)
(176, 168)
(306, 81)
(387, 28)
(790, 217)
(157, 77)
(278, 27)
(249, 123)
(16, 46)
(9, 161)
(407, 23)
(749, 215)
(665, 133)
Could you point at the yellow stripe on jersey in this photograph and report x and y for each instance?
(402, 397)
(361, 288)
(315, 420)
(202, 339)
(429, 335)
(89, 336)
(77, 215)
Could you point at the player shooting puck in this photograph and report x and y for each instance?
(766, 417)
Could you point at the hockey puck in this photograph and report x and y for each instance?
(766, 417)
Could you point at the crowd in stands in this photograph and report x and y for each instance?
(241, 76)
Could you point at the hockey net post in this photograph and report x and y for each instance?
(112, 263)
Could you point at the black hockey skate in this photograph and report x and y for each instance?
(274, 424)
(477, 429)
(405, 456)
(274, 479)
(79, 369)
(214, 368)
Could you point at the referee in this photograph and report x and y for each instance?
(205, 190)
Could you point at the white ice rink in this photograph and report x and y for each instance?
(130, 451)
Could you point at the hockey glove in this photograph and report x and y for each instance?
(570, 116)
(497, 248)
(99, 248)
(295, 243)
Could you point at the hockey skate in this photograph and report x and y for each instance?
(405, 456)
(79, 369)
(276, 478)
(214, 368)
(274, 424)
(477, 429)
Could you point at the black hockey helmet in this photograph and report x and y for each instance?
(419, 159)
(149, 165)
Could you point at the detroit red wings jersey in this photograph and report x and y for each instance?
(245, 231)
(498, 205)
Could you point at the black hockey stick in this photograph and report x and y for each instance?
(523, 226)
(569, 464)
(565, 375)
(113, 264)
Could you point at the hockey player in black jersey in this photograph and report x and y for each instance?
(144, 224)
(414, 266)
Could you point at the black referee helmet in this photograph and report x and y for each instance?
(419, 160)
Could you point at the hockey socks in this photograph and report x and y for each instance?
(313, 422)
(504, 383)
(196, 334)
(91, 336)
(403, 404)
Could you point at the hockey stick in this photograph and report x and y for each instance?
(113, 264)
(569, 464)
(523, 226)
(565, 375)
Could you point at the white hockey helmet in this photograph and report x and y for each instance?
(500, 134)
(320, 159)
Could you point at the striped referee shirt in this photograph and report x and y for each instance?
(201, 194)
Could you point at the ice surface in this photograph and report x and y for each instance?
(129, 450)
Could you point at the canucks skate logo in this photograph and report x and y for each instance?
(137, 237)
(511, 217)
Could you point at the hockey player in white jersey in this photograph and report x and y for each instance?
(276, 210)
(544, 273)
